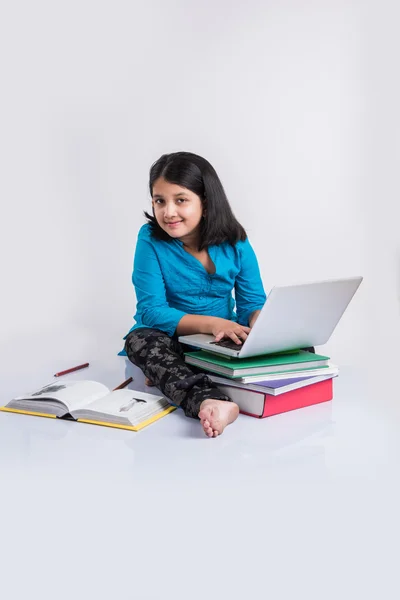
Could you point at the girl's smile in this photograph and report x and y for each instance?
(175, 224)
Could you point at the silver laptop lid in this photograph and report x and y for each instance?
(299, 316)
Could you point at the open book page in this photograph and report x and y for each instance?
(123, 406)
(71, 394)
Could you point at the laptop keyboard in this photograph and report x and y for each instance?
(228, 344)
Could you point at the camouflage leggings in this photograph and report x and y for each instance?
(161, 360)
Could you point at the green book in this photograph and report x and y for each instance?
(259, 365)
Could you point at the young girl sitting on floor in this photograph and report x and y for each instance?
(189, 257)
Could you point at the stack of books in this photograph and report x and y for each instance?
(267, 385)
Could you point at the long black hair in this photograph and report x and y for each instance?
(197, 175)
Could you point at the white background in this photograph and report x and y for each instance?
(294, 103)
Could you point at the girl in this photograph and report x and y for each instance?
(189, 257)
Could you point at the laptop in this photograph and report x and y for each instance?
(293, 317)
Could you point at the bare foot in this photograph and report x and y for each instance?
(215, 415)
(148, 382)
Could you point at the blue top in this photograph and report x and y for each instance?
(170, 283)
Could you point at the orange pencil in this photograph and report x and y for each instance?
(71, 370)
(124, 384)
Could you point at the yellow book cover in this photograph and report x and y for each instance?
(138, 427)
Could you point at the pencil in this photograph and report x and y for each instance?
(71, 370)
(124, 384)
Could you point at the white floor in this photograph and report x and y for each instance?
(301, 505)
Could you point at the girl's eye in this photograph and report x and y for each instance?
(161, 200)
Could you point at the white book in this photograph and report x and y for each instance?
(91, 401)
(331, 370)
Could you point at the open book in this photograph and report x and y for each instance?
(93, 402)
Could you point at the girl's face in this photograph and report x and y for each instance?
(178, 210)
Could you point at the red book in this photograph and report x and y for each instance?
(260, 405)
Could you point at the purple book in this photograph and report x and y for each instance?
(278, 383)
(274, 387)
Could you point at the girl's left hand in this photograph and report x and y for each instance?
(222, 328)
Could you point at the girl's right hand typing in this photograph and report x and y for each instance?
(222, 328)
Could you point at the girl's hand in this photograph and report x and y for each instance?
(222, 328)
